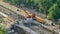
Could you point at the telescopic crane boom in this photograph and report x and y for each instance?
(34, 17)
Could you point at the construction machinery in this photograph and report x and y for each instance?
(33, 16)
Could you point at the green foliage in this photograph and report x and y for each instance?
(2, 30)
(54, 12)
(17, 22)
(46, 4)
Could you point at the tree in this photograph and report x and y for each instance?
(58, 2)
(46, 4)
(54, 13)
(2, 30)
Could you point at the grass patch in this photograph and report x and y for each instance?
(2, 30)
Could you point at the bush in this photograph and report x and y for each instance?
(2, 30)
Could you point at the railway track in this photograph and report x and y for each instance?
(9, 19)
(20, 12)
(15, 14)
(11, 13)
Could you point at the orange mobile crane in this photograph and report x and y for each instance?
(34, 17)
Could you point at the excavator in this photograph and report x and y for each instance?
(33, 16)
